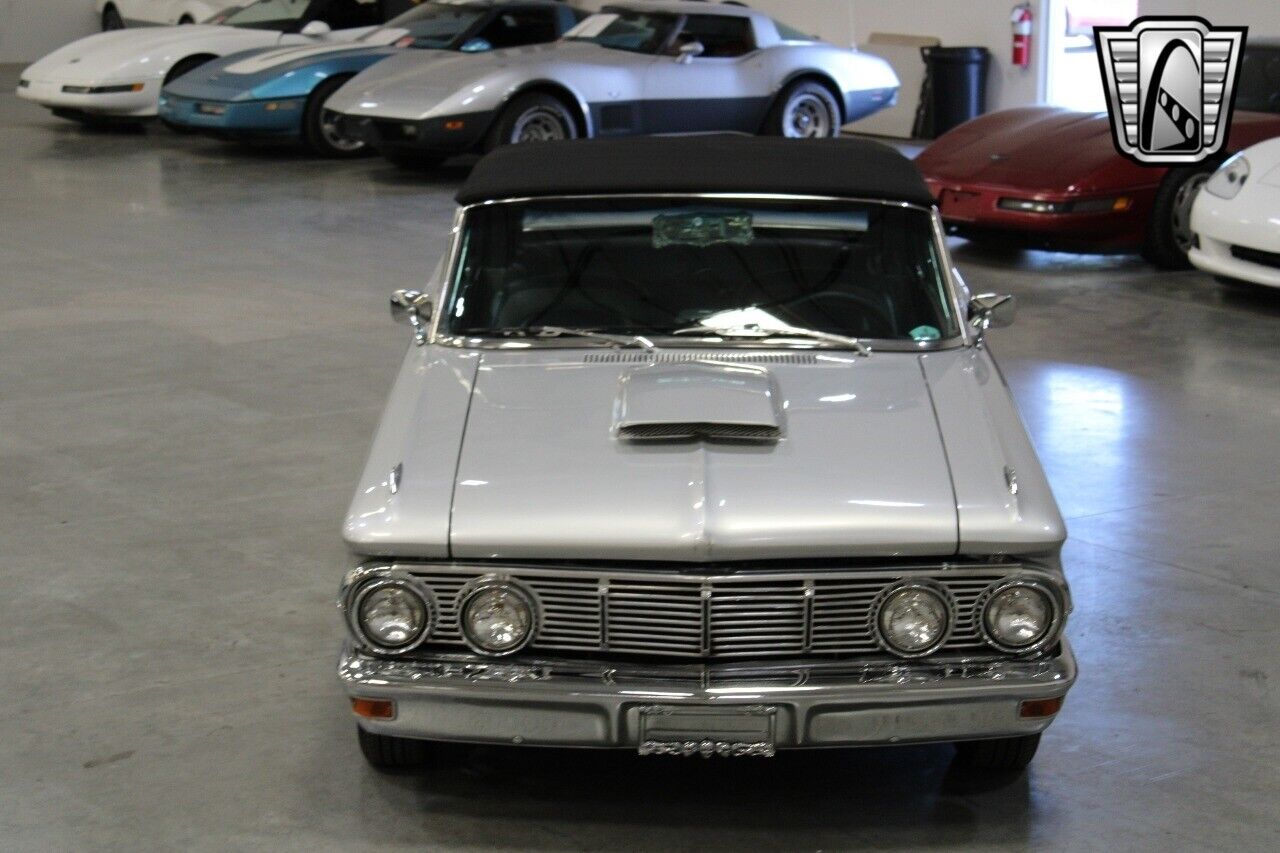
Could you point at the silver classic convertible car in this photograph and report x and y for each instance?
(634, 68)
(697, 450)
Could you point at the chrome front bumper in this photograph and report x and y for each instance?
(561, 703)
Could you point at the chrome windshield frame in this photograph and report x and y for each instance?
(444, 288)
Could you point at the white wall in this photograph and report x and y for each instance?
(31, 28)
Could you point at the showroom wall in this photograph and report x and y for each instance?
(31, 28)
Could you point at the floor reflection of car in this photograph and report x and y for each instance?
(634, 68)
(1052, 178)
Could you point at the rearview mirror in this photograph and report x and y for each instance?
(687, 51)
(316, 29)
(992, 311)
(414, 308)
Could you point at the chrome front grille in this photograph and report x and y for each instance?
(741, 615)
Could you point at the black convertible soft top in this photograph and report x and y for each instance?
(721, 163)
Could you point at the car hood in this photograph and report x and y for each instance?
(1040, 149)
(541, 471)
(418, 84)
(274, 72)
(145, 51)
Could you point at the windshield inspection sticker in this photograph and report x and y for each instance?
(925, 333)
(701, 229)
(1170, 84)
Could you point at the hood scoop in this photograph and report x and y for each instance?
(698, 401)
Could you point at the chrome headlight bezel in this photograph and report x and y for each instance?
(1056, 611)
(928, 586)
(489, 583)
(355, 599)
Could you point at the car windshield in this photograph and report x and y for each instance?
(658, 266)
(431, 26)
(1259, 85)
(269, 14)
(638, 32)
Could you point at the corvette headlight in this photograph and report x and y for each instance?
(913, 620)
(391, 615)
(1229, 179)
(497, 617)
(1018, 616)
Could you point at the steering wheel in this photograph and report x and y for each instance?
(879, 312)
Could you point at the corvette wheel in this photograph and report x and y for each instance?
(186, 19)
(320, 128)
(111, 19)
(532, 118)
(1169, 235)
(806, 110)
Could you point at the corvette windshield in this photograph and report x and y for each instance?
(660, 266)
(638, 32)
(431, 26)
(269, 14)
(1259, 86)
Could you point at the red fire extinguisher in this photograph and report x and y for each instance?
(1021, 22)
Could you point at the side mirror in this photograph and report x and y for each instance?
(414, 308)
(476, 45)
(687, 51)
(316, 29)
(992, 311)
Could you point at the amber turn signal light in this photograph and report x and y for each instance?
(373, 709)
(454, 125)
(1033, 708)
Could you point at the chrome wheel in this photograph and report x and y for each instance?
(807, 116)
(1181, 215)
(541, 124)
(334, 136)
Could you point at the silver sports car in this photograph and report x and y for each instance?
(633, 68)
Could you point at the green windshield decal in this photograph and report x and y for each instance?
(702, 229)
(925, 333)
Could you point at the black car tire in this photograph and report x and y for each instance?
(547, 111)
(1000, 755)
(1168, 231)
(388, 753)
(186, 19)
(319, 138)
(111, 19)
(816, 95)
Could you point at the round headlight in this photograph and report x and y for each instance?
(497, 618)
(913, 620)
(392, 615)
(1017, 617)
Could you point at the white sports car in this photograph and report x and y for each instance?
(1236, 218)
(118, 14)
(118, 75)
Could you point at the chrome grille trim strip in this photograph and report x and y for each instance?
(746, 614)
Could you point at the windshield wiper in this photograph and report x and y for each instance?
(591, 334)
(753, 330)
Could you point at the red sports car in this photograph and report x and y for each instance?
(1052, 178)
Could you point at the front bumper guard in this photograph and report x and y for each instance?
(563, 703)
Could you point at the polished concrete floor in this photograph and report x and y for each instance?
(193, 352)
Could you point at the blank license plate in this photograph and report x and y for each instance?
(708, 732)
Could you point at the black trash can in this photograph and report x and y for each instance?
(955, 87)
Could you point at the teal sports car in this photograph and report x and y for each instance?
(280, 92)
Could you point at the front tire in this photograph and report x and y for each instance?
(186, 19)
(111, 19)
(1001, 755)
(390, 754)
(805, 110)
(535, 117)
(320, 132)
(1169, 232)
